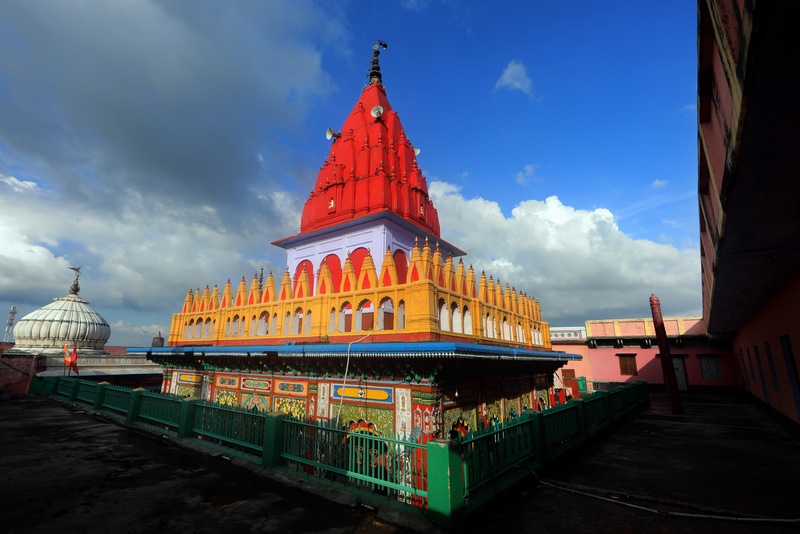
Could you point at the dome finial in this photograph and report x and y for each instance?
(375, 71)
(75, 286)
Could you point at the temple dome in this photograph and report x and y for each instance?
(66, 320)
(372, 168)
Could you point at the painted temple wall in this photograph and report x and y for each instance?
(390, 408)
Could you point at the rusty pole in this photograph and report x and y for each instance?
(670, 381)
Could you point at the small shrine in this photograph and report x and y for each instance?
(376, 322)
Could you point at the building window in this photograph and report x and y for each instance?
(710, 366)
(627, 364)
(771, 363)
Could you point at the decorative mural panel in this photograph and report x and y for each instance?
(189, 378)
(226, 381)
(362, 393)
(188, 391)
(403, 411)
(491, 413)
(463, 419)
(512, 409)
(382, 418)
(526, 401)
(226, 398)
(254, 401)
(295, 388)
(542, 400)
(294, 407)
(323, 399)
(252, 383)
(426, 398)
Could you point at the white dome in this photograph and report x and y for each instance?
(63, 321)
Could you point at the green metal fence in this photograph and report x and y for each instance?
(394, 468)
(488, 453)
(237, 429)
(448, 477)
(116, 400)
(159, 410)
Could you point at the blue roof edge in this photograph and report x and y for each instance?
(430, 347)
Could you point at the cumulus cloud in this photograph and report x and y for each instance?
(515, 77)
(658, 184)
(524, 176)
(127, 143)
(573, 261)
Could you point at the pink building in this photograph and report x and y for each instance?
(626, 350)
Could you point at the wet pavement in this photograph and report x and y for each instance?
(725, 466)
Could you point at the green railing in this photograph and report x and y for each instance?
(392, 467)
(87, 392)
(64, 388)
(239, 430)
(159, 410)
(117, 400)
(448, 477)
(596, 412)
(490, 452)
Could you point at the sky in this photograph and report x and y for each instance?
(162, 145)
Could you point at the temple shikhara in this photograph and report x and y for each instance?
(377, 322)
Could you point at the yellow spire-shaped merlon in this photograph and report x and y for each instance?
(241, 293)
(348, 276)
(324, 281)
(470, 283)
(388, 270)
(253, 292)
(450, 275)
(302, 286)
(426, 262)
(187, 302)
(213, 303)
(269, 291)
(415, 271)
(227, 295)
(204, 299)
(367, 278)
(196, 300)
(483, 289)
(459, 277)
(286, 286)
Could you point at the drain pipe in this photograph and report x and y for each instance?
(344, 382)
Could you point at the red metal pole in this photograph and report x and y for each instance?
(670, 381)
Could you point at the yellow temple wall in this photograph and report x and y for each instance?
(442, 303)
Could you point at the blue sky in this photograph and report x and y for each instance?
(163, 145)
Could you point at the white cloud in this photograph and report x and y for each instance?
(515, 77)
(18, 186)
(659, 184)
(524, 176)
(577, 263)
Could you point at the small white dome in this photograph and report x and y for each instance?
(66, 320)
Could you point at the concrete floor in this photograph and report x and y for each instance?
(62, 469)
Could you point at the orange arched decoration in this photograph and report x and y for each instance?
(357, 259)
(335, 267)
